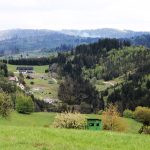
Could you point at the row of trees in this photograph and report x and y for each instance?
(29, 61)
(11, 97)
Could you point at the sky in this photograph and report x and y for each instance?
(75, 14)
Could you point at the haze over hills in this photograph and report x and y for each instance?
(100, 33)
(104, 33)
(28, 39)
(31, 39)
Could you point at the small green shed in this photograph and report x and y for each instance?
(94, 124)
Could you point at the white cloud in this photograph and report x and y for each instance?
(76, 14)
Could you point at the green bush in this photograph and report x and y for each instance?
(128, 113)
(70, 120)
(24, 104)
(5, 104)
(32, 83)
(142, 114)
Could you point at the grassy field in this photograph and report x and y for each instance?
(38, 119)
(35, 132)
(36, 138)
(37, 69)
(44, 89)
(42, 119)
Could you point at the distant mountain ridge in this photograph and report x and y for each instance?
(30, 39)
(95, 33)
(24, 33)
(104, 33)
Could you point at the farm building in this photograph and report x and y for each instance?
(24, 69)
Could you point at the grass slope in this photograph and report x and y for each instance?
(44, 119)
(40, 119)
(35, 132)
(23, 138)
(37, 69)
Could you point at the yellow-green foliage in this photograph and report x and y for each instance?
(142, 114)
(24, 104)
(128, 113)
(5, 104)
(111, 119)
(70, 120)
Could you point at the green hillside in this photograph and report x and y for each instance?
(40, 119)
(44, 85)
(45, 119)
(35, 138)
(35, 132)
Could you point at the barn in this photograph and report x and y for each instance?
(25, 69)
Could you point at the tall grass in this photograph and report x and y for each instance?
(35, 138)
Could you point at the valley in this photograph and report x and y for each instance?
(108, 80)
(74, 75)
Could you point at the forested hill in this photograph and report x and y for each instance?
(27, 40)
(124, 68)
(143, 40)
(107, 71)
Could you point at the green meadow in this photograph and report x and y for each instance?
(36, 132)
(37, 69)
(47, 86)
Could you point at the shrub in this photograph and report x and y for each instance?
(31, 82)
(142, 114)
(46, 70)
(70, 120)
(5, 104)
(24, 104)
(146, 130)
(111, 119)
(128, 113)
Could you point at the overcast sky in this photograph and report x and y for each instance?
(75, 14)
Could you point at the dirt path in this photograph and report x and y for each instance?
(109, 82)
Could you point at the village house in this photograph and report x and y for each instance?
(13, 79)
